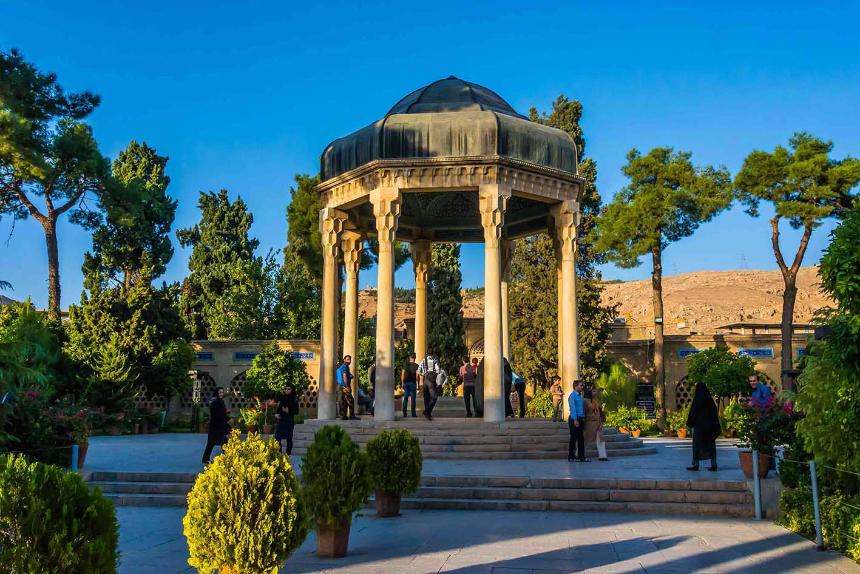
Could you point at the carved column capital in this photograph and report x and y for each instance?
(351, 245)
(420, 251)
(331, 225)
(566, 216)
(386, 209)
(492, 200)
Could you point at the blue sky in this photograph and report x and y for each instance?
(244, 95)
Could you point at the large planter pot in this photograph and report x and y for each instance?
(682, 433)
(387, 504)
(624, 430)
(82, 454)
(332, 541)
(746, 460)
(267, 429)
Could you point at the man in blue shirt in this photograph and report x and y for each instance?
(761, 393)
(576, 424)
(344, 380)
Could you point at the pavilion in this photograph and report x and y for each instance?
(450, 162)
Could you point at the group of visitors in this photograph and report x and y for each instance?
(585, 419)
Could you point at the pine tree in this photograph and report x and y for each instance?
(445, 306)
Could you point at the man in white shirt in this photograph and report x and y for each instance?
(431, 374)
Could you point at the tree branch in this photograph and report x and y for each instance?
(69, 204)
(34, 211)
(801, 250)
(774, 238)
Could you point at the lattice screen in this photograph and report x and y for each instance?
(150, 402)
(684, 389)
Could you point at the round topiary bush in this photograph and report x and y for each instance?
(395, 460)
(245, 513)
(51, 521)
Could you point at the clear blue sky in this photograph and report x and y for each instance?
(245, 95)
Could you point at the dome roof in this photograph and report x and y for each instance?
(451, 118)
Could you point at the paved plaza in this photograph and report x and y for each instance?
(464, 542)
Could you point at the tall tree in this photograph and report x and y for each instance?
(297, 311)
(46, 152)
(445, 306)
(120, 307)
(804, 186)
(224, 296)
(666, 200)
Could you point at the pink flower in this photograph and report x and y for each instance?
(788, 408)
(31, 394)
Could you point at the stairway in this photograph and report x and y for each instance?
(463, 439)
(694, 497)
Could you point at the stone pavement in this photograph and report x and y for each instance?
(418, 542)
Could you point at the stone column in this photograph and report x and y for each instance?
(566, 219)
(386, 209)
(492, 199)
(420, 251)
(351, 245)
(507, 254)
(558, 287)
(331, 224)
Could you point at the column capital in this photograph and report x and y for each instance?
(420, 252)
(492, 201)
(331, 225)
(351, 245)
(386, 209)
(566, 216)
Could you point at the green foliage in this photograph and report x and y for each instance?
(395, 460)
(112, 384)
(298, 307)
(617, 387)
(335, 477)
(733, 415)
(840, 523)
(445, 331)
(272, 370)
(632, 418)
(171, 366)
(540, 406)
(245, 510)
(724, 373)
(677, 419)
(46, 151)
(797, 511)
(51, 521)
(763, 426)
(840, 265)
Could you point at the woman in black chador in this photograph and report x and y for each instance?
(705, 423)
(219, 424)
(288, 407)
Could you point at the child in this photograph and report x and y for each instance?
(557, 397)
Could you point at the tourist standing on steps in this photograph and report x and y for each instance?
(576, 424)
(430, 371)
(705, 422)
(219, 424)
(557, 398)
(520, 389)
(409, 378)
(594, 418)
(344, 379)
(509, 381)
(288, 407)
(468, 373)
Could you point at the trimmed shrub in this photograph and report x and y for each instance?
(245, 511)
(725, 373)
(335, 477)
(395, 461)
(272, 370)
(677, 419)
(840, 521)
(51, 521)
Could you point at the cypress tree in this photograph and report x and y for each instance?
(445, 306)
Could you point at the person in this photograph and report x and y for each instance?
(509, 380)
(344, 379)
(364, 401)
(594, 418)
(576, 424)
(429, 370)
(761, 393)
(467, 377)
(371, 376)
(705, 422)
(520, 389)
(219, 424)
(409, 378)
(288, 407)
(557, 397)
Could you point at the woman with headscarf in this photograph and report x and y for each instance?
(288, 408)
(594, 421)
(219, 424)
(705, 422)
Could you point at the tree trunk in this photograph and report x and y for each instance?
(789, 296)
(659, 367)
(50, 226)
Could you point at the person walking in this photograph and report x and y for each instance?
(705, 422)
(467, 377)
(344, 379)
(594, 418)
(429, 370)
(288, 408)
(576, 424)
(557, 392)
(219, 424)
(509, 381)
(520, 389)
(409, 378)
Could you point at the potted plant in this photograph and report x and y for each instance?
(251, 418)
(203, 422)
(677, 421)
(269, 404)
(250, 478)
(395, 462)
(760, 427)
(335, 483)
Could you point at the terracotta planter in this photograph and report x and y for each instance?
(636, 433)
(682, 433)
(82, 454)
(267, 429)
(746, 460)
(387, 504)
(203, 427)
(332, 541)
(624, 430)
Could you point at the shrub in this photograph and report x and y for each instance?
(335, 477)
(395, 460)
(631, 418)
(51, 521)
(540, 405)
(840, 521)
(733, 415)
(272, 370)
(797, 512)
(724, 372)
(245, 510)
(617, 387)
(677, 419)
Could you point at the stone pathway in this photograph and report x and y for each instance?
(418, 542)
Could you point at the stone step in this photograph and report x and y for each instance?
(147, 499)
(479, 454)
(144, 487)
(588, 494)
(447, 438)
(110, 476)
